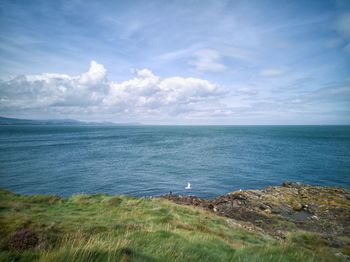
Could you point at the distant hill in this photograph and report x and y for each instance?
(17, 121)
(5, 121)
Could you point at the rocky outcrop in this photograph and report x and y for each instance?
(281, 209)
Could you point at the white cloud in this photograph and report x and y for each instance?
(273, 72)
(343, 25)
(207, 60)
(343, 28)
(147, 98)
(96, 74)
(238, 53)
(347, 48)
(142, 95)
(149, 93)
(247, 91)
(211, 60)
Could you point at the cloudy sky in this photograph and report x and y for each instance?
(176, 62)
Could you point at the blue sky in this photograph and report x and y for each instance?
(176, 62)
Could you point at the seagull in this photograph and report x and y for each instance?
(188, 185)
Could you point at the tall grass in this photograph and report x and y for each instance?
(122, 228)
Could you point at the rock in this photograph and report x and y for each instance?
(305, 207)
(297, 206)
(335, 242)
(267, 211)
(291, 184)
(281, 234)
(293, 206)
(264, 207)
(342, 256)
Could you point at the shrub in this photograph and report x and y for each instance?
(23, 239)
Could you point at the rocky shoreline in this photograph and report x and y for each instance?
(278, 210)
(292, 222)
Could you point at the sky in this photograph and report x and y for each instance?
(176, 62)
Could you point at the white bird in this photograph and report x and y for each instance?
(188, 185)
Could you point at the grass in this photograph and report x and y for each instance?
(122, 228)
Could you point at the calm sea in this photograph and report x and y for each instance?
(153, 160)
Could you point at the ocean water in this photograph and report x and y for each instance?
(153, 160)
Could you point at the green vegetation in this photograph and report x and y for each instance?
(121, 228)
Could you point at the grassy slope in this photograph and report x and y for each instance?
(121, 228)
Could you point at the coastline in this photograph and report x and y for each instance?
(277, 210)
(294, 221)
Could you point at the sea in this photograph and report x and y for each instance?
(155, 160)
